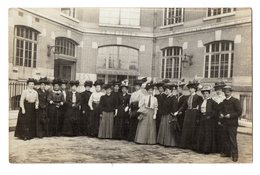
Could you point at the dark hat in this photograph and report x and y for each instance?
(227, 88)
(193, 84)
(31, 80)
(170, 86)
(43, 80)
(181, 83)
(206, 88)
(138, 82)
(56, 81)
(219, 85)
(113, 83)
(107, 86)
(72, 83)
(149, 86)
(37, 82)
(166, 81)
(159, 84)
(88, 83)
(98, 82)
(123, 84)
(64, 81)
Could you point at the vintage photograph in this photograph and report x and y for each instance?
(130, 85)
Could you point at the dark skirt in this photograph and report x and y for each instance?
(219, 137)
(54, 115)
(158, 122)
(189, 130)
(41, 122)
(146, 128)
(133, 122)
(120, 124)
(26, 123)
(94, 119)
(71, 122)
(166, 135)
(106, 125)
(84, 123)
(206, 135)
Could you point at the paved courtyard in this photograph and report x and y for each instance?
(93, 150)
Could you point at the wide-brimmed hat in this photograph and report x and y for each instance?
(206, 88)
(149, 86)
(159, 84)
(73, 82)
(124, 84)
(227, 88)
(114, 82)
(56, 81)
(88, 83)
(31, 80)
(138, 82)
(98, 82)
(170, 85)
(107, 86)
(219, 85)
(193, 84)
(64, 81)
(43, 80)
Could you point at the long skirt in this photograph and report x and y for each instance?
(120, 124)
(146, 128)
(219, 137)
(71, 122)
(84, 123)
(206, 135)
(158, 122)
(26, 123)
(133, 122)
(94, 119)
(166, 136)
(106, 125)
(54, 115)
(189, 130)
(41, 122)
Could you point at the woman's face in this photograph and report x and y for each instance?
(124, 90)
(108, 91)
(137, 87)
(150, 91)
(74, 88)
(116, 88)
(98, 88)
(205, 94)
(161, 89)
(42, 86)
(167, 91)
(192, 90)
(31, 85)
(56, 87)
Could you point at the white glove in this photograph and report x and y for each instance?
(116, 112)
(126, 109)
(154, 117)
(23, 111)
(175, 113)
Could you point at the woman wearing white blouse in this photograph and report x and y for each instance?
(26, 122)
(146, 129)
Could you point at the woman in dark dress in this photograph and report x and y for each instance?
(121, 120)
(71, 122)
(26, 122)
(41, 114)
(206, 135)
(85, 110)
(108, 111)
(191, 119)
(55, 100)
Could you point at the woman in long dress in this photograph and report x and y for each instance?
(191, 119)
(166, 135)
(71, 122)
(108, 110)
(95, 109)
(121, 120)
(206, 135)
(26, 122)
(146, 128)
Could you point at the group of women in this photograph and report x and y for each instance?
(156, 114)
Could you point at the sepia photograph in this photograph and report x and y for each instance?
(130, 85)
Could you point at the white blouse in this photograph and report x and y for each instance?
(95, 97)
(218, 98)
(29, 95)
(145, 100)
(136, 96)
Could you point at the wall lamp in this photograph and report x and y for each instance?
(187, 60)
(49, 50)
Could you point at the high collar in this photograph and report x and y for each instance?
(194, 93)
(228, 98)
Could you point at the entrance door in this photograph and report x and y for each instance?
(64, 69)
(66, 72)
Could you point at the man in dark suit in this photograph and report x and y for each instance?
(230, 111)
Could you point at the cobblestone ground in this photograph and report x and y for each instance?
(93, 150)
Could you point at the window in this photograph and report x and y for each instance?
(65, 46)
(71, 12)
(26, 41)
(219, 59)
(117, 57)
(120, 16)
(219, 11)
(171, 62)
(101, 77)
(173, 16)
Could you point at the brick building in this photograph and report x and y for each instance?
(127, 43)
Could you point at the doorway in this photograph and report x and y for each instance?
(64, 69)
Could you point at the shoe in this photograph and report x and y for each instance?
(234, 159)
(224, 155)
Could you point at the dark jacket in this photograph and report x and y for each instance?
(196, 102)
(232, 107)
(160, 98)
(84, 98)
(107, 103)
(42, 98)
(169, 105)
(69, 99)
(211, 108)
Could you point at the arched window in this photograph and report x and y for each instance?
(219, 57)
(171, 62)
(65, 46)
(117, 57)
(26, 41)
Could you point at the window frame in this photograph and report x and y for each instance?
(73, 17)
(66, 47)
(174, 58)
(221, 67)
(221, 15)
(174, 24)
(29, 38)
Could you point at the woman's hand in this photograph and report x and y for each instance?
(23, 111)
(154, 117)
